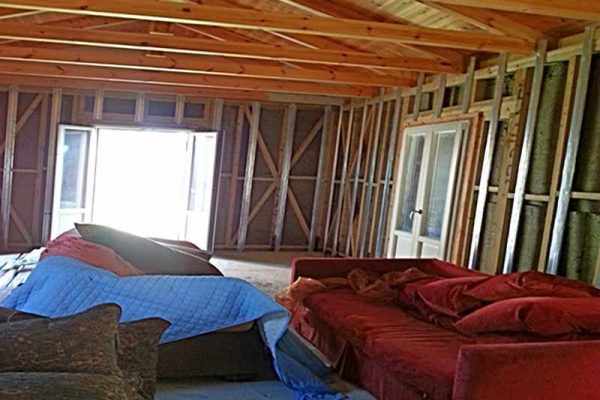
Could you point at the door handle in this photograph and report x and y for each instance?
(416, 211)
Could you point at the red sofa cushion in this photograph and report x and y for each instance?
(527, 284)
(417, 352)
(544, 316)
(447, 296)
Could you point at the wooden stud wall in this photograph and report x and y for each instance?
(284, 184)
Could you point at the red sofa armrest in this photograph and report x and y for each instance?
(528, 371)
(322, 267)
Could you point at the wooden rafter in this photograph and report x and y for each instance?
(198, 65)
(488, 20)
(311, 25)
(147, 42)
(179, 79)
(574, 9)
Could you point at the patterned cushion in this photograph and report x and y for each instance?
(82, 343)
(60, 386)
(138, 353)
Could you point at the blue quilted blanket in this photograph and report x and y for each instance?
(62, 286)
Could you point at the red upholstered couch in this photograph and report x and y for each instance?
(397, 356)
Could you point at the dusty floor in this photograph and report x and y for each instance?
(268, 271)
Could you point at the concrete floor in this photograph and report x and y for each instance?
(268, 271)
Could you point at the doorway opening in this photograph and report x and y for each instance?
(149, 182)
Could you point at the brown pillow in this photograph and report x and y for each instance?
(60, 386)
(82, 343)
(138, 353)
(147, 255)
(137, 350)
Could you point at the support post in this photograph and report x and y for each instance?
(469, 83)
(353, 200)
(98, 105)
(217, 121)
(139, 108)
(370, 181)
(179, 109)
(9, 158)
(343, 179)
(526, 149)
(50, 166)
(568, 171)
(486, 168)
(249, 176)
(439, 97)
(336, 151)
(284, 172)
(418, 95)
(316, 210)
(389, 171)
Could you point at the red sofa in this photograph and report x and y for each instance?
(396, 356)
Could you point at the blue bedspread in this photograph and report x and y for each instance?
(62, 286)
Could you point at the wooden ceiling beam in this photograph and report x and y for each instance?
(147, 42)
(219, 66)
(180, 79)
(488, 20)
(574, 9)
(194, 14)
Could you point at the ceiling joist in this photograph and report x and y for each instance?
(180, 79)
(219, 66)
(166, 43)
(188, 13)
(575, 9)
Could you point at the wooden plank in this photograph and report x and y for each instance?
(179, 109)
(9, 157)
(38, 195)
(438, 103)
(28, 111)
(235, 168)
(179, 79)
(51, 163)
(295, 206)
(486, 168)
(418, 95)
(140, 105)
(316, 208)
(206, 47)
(312, 135)
(508, 167)
(526, 151)
(98, 105)
(573, 140)
(284, 172)
(389, 171)
(562, 9)
(561, 143)
(250, 160)
(342, 186)
(217, 122)
(194, 14)
(332, 178)
(203, 65)
(370, 181)
(354, 195)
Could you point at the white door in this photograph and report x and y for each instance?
(423, 197)
(74, 178)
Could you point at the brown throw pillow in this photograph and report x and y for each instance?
(138, 353)
(82, 343)
(147, 255)
(60, 386)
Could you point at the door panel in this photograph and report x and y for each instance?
(423, 198)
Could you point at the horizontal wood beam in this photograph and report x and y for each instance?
(184, 63)
(196, 46)
(587, 11)
(179, 79)
(188, 13)
(34, 84)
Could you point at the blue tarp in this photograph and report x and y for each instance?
(62, 286)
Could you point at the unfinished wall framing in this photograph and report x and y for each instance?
(285, 185)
